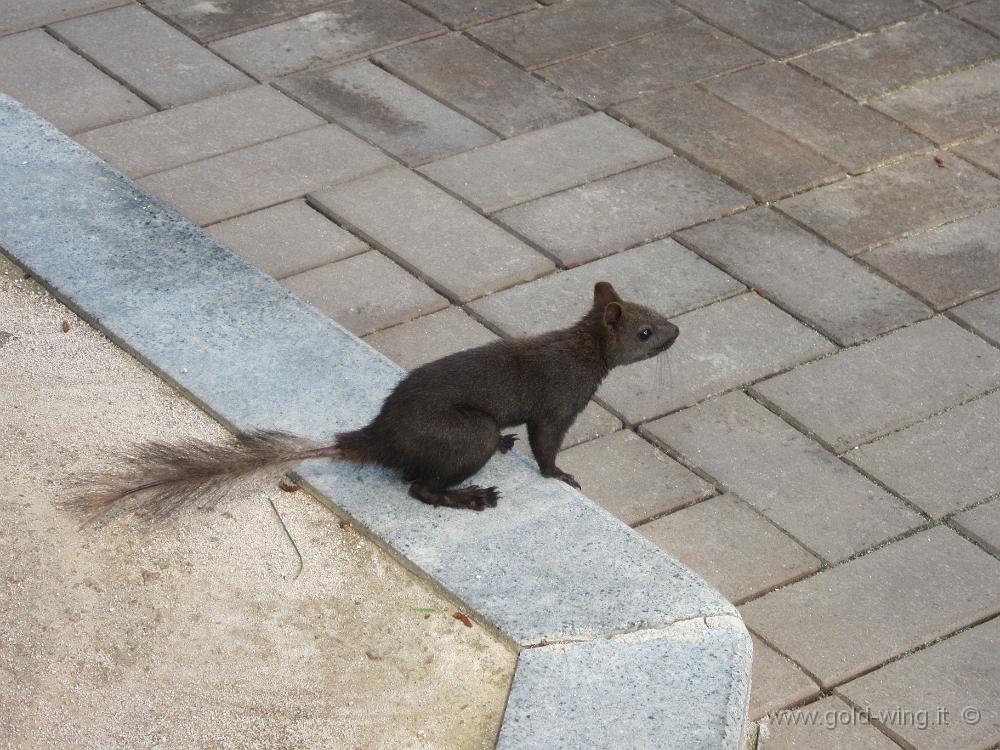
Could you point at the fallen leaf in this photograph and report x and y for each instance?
(346, 526)
(938, 160)
(463, 618)
(65, 326)
(288, 487)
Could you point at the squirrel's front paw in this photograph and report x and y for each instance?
(567, 478)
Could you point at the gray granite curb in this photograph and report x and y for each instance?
(620, 645)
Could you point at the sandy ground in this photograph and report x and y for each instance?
(200, 633)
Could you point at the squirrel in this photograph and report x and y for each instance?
(437, 427)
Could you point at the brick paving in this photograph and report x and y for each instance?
(811, 187)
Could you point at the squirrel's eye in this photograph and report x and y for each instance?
(645, 333)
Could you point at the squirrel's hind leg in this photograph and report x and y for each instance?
(472, 497)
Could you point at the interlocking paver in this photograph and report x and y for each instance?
(181, 71)
(678, 55)
(984, 13)
(780, 27)
(267, 173)
(944, 682)
(483, 85)
(61, 86)
(444, 240)
(826, 724)
(17, 15)
(365, 293)
(197, 131)
(982, 524)
(287, 239)
(792, 480)
(567, 29)
(949, 108)
(661, 275)
(721, 346)
(804, 275)
(459, 13)
(853, 617)
(776, 682)
(983, 151)
(886, 384)
(947, 265)
(887, 203)
(544, 161)
(210, 20)
(630, 478)
(387, 112)
(745, 150)
(337, 34)
(865, 15)
(837, 127)
(617, 212)
(982, 314)
(944, 464)
(730, 545)
(430, 337)
(901, 55)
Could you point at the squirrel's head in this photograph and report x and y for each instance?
(631, 332)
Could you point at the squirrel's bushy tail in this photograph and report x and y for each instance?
(161, 478)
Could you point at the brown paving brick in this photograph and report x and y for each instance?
(591, 423)
(729, 544)
(672, 57)
(984, 13)
(743, 149)
(197, 131)
(983, 151)
(938, 684)
(983, 315)
(901, 55)
(952, 107)
(826, 724)
(287, 239)
(241, 181)
(61, 86)
(865, 15)
(982, 523)
(848, 619)
(210, 20)
(365, 293)
(481, 84)
(459, 13)
(336, 34)
(887, 203)
(430, 337)
(776, 681)
(780, 27)
(853, 136)
(181, 70)
(630, 478)
(17, 15)
(567, 29)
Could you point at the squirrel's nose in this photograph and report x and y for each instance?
(672, 332)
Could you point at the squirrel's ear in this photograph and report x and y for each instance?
(612, 314)
(604, 293)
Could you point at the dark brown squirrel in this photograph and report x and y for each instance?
(438, 427)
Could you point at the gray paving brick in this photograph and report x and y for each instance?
(853, 136)
(982, 524)
(365, 293)
(181, 71)
(826, 724)
(672, 57)
(61, 86)
(210, 20)
(262, 175)
(630, 478)
(941, 682)
(983, 151)
(984, 13)
(430, 337)
(776, 681)
(947, 265)
(731, 546)
(16, 15)
(944, 464)
(887, 203)
(804, 275)
(591, 423)
(901, 55)
(885, 384)
(982, 314)
(617, 212)
(949, 108)
(339, 33)
(792, 480)
(387, 112)
(780, 27)
(483, 85)
(722, 346)
(746, 151)
(197, 131)
(459, 13)
(544, 161)
(447, 242)
(287, 239)
(661, 275)
(865, 15)
(848, 619)
(567, 29)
